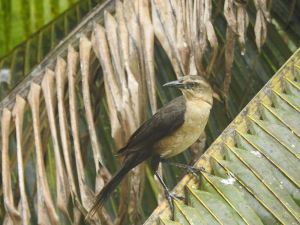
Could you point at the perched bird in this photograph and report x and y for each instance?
(174, 128)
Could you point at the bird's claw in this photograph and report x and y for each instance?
(170, 196)
(194, 170)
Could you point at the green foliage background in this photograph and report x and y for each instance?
(19, 19)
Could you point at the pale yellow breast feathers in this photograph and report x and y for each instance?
(196, 116)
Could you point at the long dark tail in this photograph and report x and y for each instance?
(131, 161)
(107, 190)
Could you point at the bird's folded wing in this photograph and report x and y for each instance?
(167, 119)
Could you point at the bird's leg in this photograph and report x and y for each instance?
(189, 169)
(170, 196)
(154, 166)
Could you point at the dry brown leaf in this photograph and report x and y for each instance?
(258, 29)
(264, 31)
(207, 10)
(85, 192)
(94, 45)
(229, 52)
(199, 35)
(123, 36)
(129, 82)
(114, 101)
(262, 17)
(132, 23)
(188, 19)
(147, 35)
(246, 21)
(18, 114)
(46, 209)
(13, 216)
(182, 43)
(112, 91)
(135, 56)
(85, 48)
(189, 24)
(230, 14)
(112, 40)
(262, 5)
(72, 58)
(163, 23)
(62, 184)
(127, 118)
(131, 56)
(27, 132)
(212, 38)
(25, 136)
(241, 28)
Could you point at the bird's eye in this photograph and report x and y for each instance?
(192, 84)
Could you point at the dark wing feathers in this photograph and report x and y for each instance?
(167, 119)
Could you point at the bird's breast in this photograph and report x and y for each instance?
(195, 120)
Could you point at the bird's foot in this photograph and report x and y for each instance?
(171, 196)
(194, 170)
(189, 169)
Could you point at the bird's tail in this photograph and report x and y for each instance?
(131, 160)
(107, 190)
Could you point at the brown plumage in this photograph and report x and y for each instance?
(170, 131)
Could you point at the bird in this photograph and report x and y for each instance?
(170, 131)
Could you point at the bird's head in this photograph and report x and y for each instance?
(194, 88)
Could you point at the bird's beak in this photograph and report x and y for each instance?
(175, 84)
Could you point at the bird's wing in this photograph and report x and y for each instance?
(167, 119)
